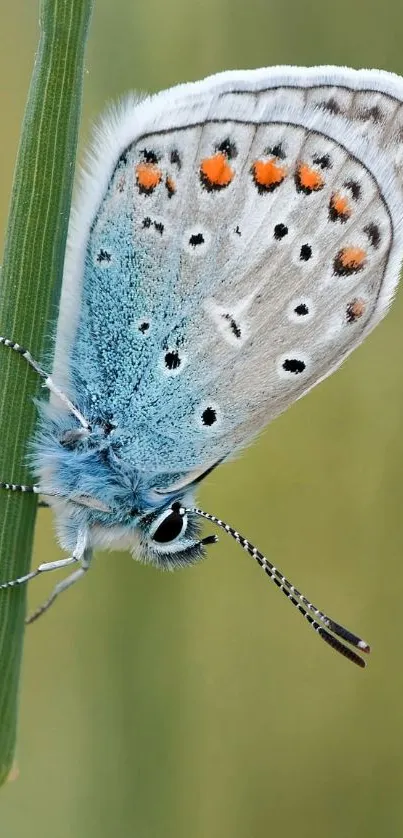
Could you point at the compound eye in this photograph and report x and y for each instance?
(170, 527)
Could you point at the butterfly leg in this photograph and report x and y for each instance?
(42, 568)
(47, 379)
(60, 587)
(82, 554)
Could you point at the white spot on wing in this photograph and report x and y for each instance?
(230, 319)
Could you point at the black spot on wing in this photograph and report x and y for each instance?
(228, 148)
(196, 239)
(373, 233)
(209, 416)
(305, 252)
(294, 365)
(301, 309)
(322, 160)
(103, 256)
(280, 231)
(172, 360)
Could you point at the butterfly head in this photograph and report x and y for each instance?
(170, 538)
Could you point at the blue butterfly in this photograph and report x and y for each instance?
(232, 242)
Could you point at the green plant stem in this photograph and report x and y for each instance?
(29, 293)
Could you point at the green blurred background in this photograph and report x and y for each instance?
(198, 704)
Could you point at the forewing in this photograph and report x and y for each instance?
(248, 238)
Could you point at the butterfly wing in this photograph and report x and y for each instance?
(235, 240)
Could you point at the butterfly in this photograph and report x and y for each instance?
(233, 240)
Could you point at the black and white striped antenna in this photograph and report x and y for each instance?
(324, 626)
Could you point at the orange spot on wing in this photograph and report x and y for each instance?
(215, 172)
(148, 176)
(352, 257)
(267, 174)
(170, 185)
(339, 207)
(355, 310)
(308, 180)
(349, 260)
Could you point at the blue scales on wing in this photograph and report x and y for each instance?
(234, 260)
